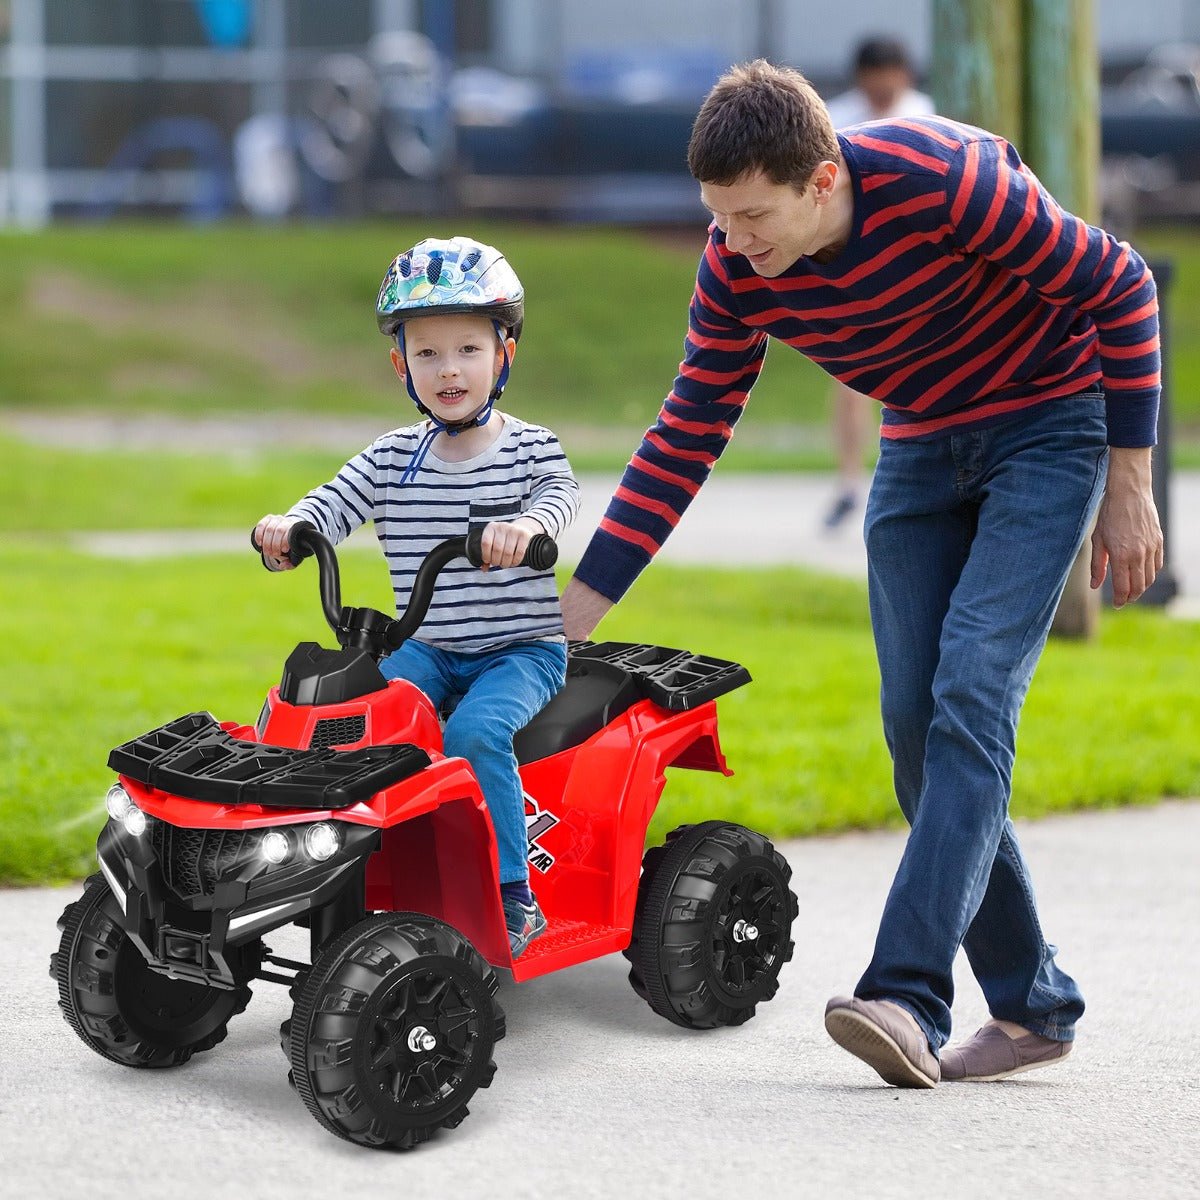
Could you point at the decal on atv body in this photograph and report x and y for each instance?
(537, 822)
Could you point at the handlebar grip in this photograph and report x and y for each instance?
(540, 555)
(298, 546)
(474, 550)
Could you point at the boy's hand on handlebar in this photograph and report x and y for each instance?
(271, 535)
(504, 542)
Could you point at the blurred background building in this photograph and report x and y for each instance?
(560, 109)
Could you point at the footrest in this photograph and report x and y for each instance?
(566, 943)
(194, 757)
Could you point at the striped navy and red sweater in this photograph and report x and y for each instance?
(964, 295)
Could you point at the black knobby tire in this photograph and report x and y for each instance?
(350, 1040)
(119, 1006)
(712, 928)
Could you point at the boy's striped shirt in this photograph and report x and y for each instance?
(965, 295)
(522, 473)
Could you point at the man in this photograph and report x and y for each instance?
(883, 89)
(921, 262)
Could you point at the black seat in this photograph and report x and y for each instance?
(595, 693)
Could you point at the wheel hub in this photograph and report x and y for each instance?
(746, 936)
(424, 1043)
(420, 1040)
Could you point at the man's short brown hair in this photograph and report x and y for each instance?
(759, 117)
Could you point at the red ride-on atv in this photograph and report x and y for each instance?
(338, 811)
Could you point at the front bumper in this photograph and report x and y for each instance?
(194, 903)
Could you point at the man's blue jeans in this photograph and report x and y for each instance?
(970, 538)
(501, 691)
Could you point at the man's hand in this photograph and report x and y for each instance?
(271, 533)
(582, 609)
(1128, 537)
(504, 542)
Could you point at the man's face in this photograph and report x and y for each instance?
(883, 87)
(772, 224)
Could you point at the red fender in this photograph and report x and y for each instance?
(587, 810)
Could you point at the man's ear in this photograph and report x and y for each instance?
(398, 363)
(823, 179)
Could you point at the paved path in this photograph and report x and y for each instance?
(596, 1096)
(736, 520)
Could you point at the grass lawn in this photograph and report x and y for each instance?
(239, 318)
(249, 318)
(95, 652)
(174, 489)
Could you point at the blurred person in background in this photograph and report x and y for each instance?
(883, 88)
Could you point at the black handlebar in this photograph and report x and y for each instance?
(306, 541)
(366, 629)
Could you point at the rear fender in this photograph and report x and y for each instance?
(703, 754)
(598, 799)
(687, 739)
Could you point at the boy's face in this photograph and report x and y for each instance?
(454, 361)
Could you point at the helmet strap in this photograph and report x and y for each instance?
(502, 379)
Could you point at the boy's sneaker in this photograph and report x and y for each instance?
(524, 922)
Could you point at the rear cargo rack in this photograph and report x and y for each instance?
(194, 757)
(675, 679)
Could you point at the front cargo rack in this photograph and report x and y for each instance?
(194, 757)
(675, 679)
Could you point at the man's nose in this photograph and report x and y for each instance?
(736, 238)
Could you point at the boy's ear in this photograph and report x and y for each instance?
(398, 363)
(511, 347)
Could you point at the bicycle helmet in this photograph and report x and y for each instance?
(460, 275)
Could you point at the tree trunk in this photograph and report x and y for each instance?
(1027, 70)
(1062, 145)
(976, 57)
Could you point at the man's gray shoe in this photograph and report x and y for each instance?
(884, 1039)
(991, 1054)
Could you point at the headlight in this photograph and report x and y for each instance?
(275, 846)
(117, 802)
(322, 841)
(134, 821)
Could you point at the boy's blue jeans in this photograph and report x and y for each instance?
(970, 538)
(501, 691)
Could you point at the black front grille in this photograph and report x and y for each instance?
(338, 731)
(194, 859)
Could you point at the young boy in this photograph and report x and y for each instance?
(493, 638)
